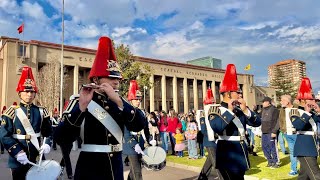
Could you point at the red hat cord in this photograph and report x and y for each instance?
(305, 90)
(230, 82)
(26, 82)
(209, 98)
(134, 92)
(105, 63)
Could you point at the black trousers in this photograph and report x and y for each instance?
(54, 143)
(309, 168)
(2, 147)
(209, 170)
(65, 161)
(135, 167)
(20, 173)
(229, 175)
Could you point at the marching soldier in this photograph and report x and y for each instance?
(54, 123)
(22, 126)
(102, 114)
(134, 141)
(209, 170)
(229, 122)
(305, 123)
(1, 145)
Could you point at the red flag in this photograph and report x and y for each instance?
(20, 28)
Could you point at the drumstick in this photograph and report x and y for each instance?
(29, 162)
(41, 153)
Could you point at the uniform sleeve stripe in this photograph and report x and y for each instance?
(70, 106)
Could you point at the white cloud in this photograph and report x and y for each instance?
(260, 25)
(173, 45)
(121, 31)
(34, 11)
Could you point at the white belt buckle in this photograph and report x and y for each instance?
(115, 148)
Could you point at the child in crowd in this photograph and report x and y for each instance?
(153, 126)
(191, 136)
(179, 147)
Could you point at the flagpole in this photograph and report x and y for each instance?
(61, 73)
(23, 49)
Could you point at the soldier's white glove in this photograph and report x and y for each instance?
(153, 142)
(22, 158)
(45, 148)
(138, 149)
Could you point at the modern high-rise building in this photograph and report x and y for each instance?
(293, 71)
(207, 61)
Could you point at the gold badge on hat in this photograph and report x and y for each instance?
(113, 66)
(3, 122)
(18, 131)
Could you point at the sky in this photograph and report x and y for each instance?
(254, 32)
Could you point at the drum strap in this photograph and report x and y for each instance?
(105, 118)
(27, 127)
(289, 127)
(239, 126)
(209, 129)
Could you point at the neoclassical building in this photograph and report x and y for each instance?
(176, 85)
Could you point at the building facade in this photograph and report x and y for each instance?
(175, 85)
(293, 70)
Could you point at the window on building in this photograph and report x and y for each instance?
(22, 50)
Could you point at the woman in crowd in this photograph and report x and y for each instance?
(163, 124)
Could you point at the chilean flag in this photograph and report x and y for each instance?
(20, 28)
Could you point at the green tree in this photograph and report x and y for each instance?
(283, 85)
(132, 70)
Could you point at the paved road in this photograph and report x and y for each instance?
(168, 173)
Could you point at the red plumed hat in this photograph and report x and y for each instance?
(26, 82)
(134, 92)
(230, 82)
(55, 111)
(209, 98)
(3, 109)
(305, 90)
(105, 64)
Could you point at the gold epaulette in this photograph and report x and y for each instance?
(45, 112)
(201, 114)
(294, 112)
(214, 110)
(10, 112)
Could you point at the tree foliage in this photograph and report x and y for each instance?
(131, 70)
(49, 84)
(283, 85)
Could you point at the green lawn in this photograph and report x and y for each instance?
(258, 166)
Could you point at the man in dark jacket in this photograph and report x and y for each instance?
(269, 128)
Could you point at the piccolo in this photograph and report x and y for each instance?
(91, 85)
(95, 86)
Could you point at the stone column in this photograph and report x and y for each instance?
(151, 93)
(204, 89)
(213, 87)
(175, 93)
(76, 79)
(185, 95)
(195, 94)
(164, 93)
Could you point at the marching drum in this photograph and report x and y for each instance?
(50, 170)
(154, 158)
